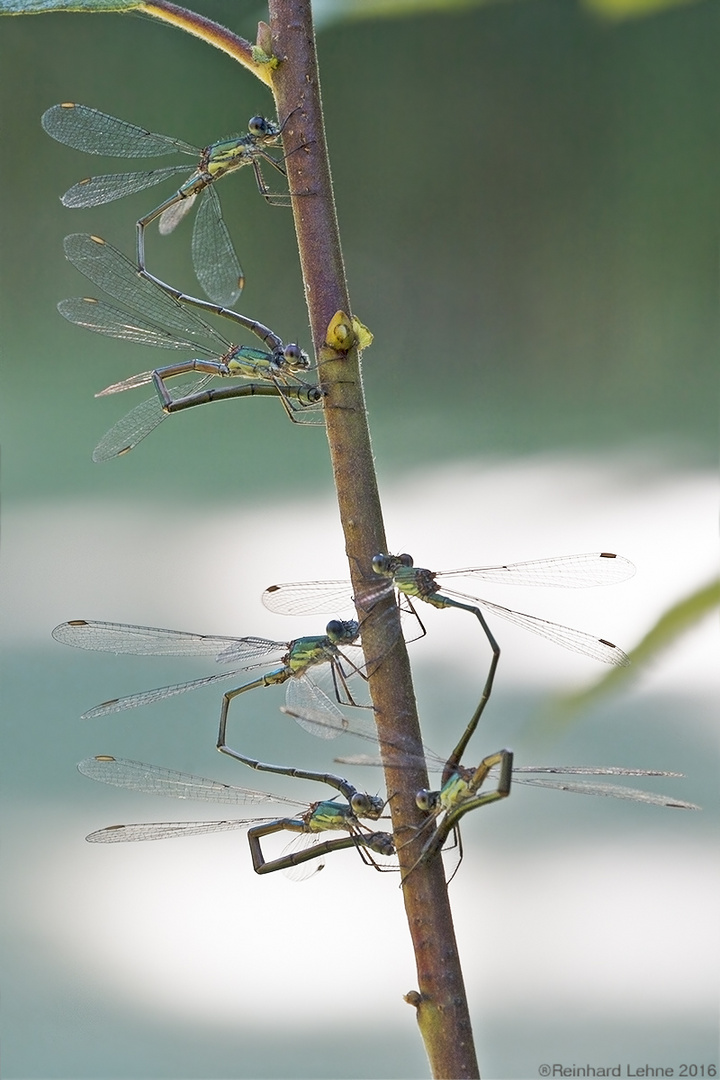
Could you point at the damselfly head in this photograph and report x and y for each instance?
(339, 631)
(386, 565)
(296, 358)
(307, 395)
(427, 800)
(261, 128)
(368, 806)
(380, 842)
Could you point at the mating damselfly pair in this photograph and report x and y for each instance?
(293, 661)
(157, 314)
(460, 793)
(297, 664)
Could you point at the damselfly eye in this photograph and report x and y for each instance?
(258, 125)
(381, 564)
(360, 804)
(295, 356)
(335, 629)
(405, 560)
(426, 800)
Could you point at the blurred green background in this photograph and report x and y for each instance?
(528, 204)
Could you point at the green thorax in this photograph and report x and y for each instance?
(307, 651)
(414, 581)
(226, 155)
(457, 790)
(325, 816)
(251, 363)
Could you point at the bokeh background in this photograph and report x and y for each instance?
(528, 203)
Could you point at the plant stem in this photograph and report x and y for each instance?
(441, 1003)
(211, 32)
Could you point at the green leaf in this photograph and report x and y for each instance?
(630, 9)
(38, 7)
(680, 618)
(327, 12)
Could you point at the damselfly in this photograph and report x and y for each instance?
(284, 662)
(461, 791)
(308, 821)
(216, 264)
(414, 583)
(461, 787)
(155, 317)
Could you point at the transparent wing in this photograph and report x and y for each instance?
(98, 190)
(520, 776)
(144, 418)
(95, 132)
(247, 649)
(401, 761)
(103, 318)
(524, 775)
(309, 718)
(436, 763)
(155, 780)
(108, 268)
(305, 870)
(614, 791)
(140, 421)
(390, 625)
(312, 414)
(163, 830)
(309, 597)
(173, 214)
(313, 710)
(564, 571)
(572, 571)
(143, 378)
(139, 640)
(149, 697)
(594, 770)
(216, 265)
(400, 758)
(575, 640)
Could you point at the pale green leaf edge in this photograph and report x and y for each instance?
(328, 12)
(671, 625)
(42, 7)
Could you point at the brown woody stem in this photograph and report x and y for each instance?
(441, 1002)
